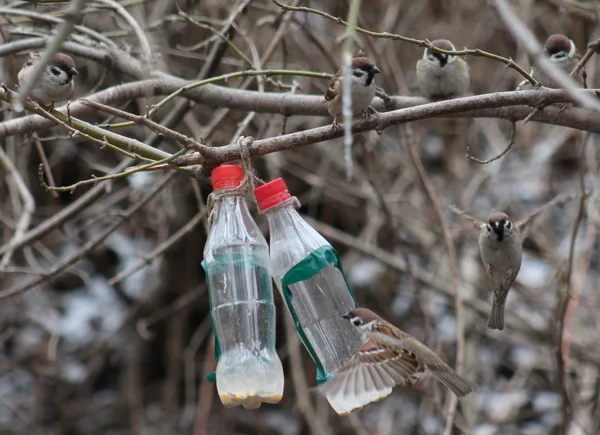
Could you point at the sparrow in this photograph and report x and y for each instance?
(56, 83)
(501, 250)
(387, 357)
(442, 76)
(562, 52)
(362, 87)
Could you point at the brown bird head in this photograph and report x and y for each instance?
(362, 317)
(363, 66)
(62, 62)
(500, 224)
(440, 58)
(559, 47)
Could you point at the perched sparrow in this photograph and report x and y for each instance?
(441, 76)
(56, 83)
(363, 72)
(561, 52)
(387, 357)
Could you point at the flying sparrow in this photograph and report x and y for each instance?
(387, 357)
(501, 249)
(561, 52)
(442, 76)
(362, 87)
(56, 83)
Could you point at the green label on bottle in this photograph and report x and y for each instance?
(213, 376)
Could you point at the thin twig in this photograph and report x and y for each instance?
(593, 47)
(95, 180)
(62, 216)
(74, 258)
(216, 54)
(45, 164)
(26, 212)
(460, 333)
(55, 20)
(226, 40)
(561, 353)
(143, 324)
(520, 31)
(506, 150)
(419, 42)
(184, 140)
(301, 391)
(149, 257)
(139, 32)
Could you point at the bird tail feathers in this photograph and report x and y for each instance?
(496, 320)
(459, 385)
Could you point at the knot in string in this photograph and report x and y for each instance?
(293, 201)
(248, 182)
(216, 198)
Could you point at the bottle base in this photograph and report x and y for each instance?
(248, 401)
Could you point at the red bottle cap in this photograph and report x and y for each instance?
(226, 176)
(271, 193)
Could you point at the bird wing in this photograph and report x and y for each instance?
(333, 89)
(524, 222)
(370, 376)
(429, 361)
(476, 222)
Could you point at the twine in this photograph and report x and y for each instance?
(248, 182)
(293, 201)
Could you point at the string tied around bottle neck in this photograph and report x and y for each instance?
(248, 183)
(293, 201)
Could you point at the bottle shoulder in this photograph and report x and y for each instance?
(291, 240)
(233, 226)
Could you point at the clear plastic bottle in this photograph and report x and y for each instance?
(236, 261)
(318, 302)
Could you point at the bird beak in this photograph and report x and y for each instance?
(72, 72)
(346, 316)
(376, 70)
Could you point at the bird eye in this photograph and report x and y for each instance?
(508, 225)
(357, 73)
(489, 228)
(55, 70)
(356, 321)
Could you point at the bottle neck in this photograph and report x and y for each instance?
(281, 216)
(232, 212)
(233, 201)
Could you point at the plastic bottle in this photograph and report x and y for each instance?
(321, 297)
(236, 262)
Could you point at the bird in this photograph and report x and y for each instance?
(56, 83)
(386, 358)
(362, 87)
(561, 51)
(442, 76)
(501, 250)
